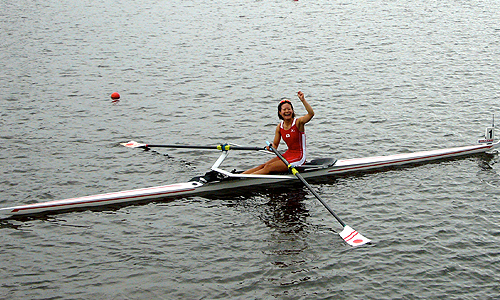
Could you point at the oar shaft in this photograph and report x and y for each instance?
(224, 147)
(299, 176)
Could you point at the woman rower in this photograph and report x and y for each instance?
(292, 130)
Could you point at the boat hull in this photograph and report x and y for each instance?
(102, 199)
(198, 188)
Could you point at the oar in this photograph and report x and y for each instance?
(222, 147)
(351, 236)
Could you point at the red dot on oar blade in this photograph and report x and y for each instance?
(357, 241)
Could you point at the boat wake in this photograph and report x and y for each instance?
(488, 173)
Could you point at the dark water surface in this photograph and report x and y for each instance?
(384, 77)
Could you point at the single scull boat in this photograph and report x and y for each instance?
(218, 179)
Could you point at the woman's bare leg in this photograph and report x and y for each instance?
(273, 165)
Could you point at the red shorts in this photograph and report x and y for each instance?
(295, 158)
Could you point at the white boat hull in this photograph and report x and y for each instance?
(239, 181)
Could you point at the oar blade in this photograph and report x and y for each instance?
(352, 237)
(134, 144)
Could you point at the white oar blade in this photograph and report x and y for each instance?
(352, 237)
(133, 144)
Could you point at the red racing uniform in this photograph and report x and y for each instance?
(296, 142)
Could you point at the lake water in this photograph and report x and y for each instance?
(384, 77)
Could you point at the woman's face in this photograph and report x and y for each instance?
(286, 111)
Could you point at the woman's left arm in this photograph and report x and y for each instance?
(310, 112)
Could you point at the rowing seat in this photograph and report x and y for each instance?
(319, 163)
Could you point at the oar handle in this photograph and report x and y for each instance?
(299, 176)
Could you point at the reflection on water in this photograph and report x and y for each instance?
(285, 211)
(280, 208)
(290, 244)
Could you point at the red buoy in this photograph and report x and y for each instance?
(115, 96)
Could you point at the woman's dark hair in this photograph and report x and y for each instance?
(281, 104)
